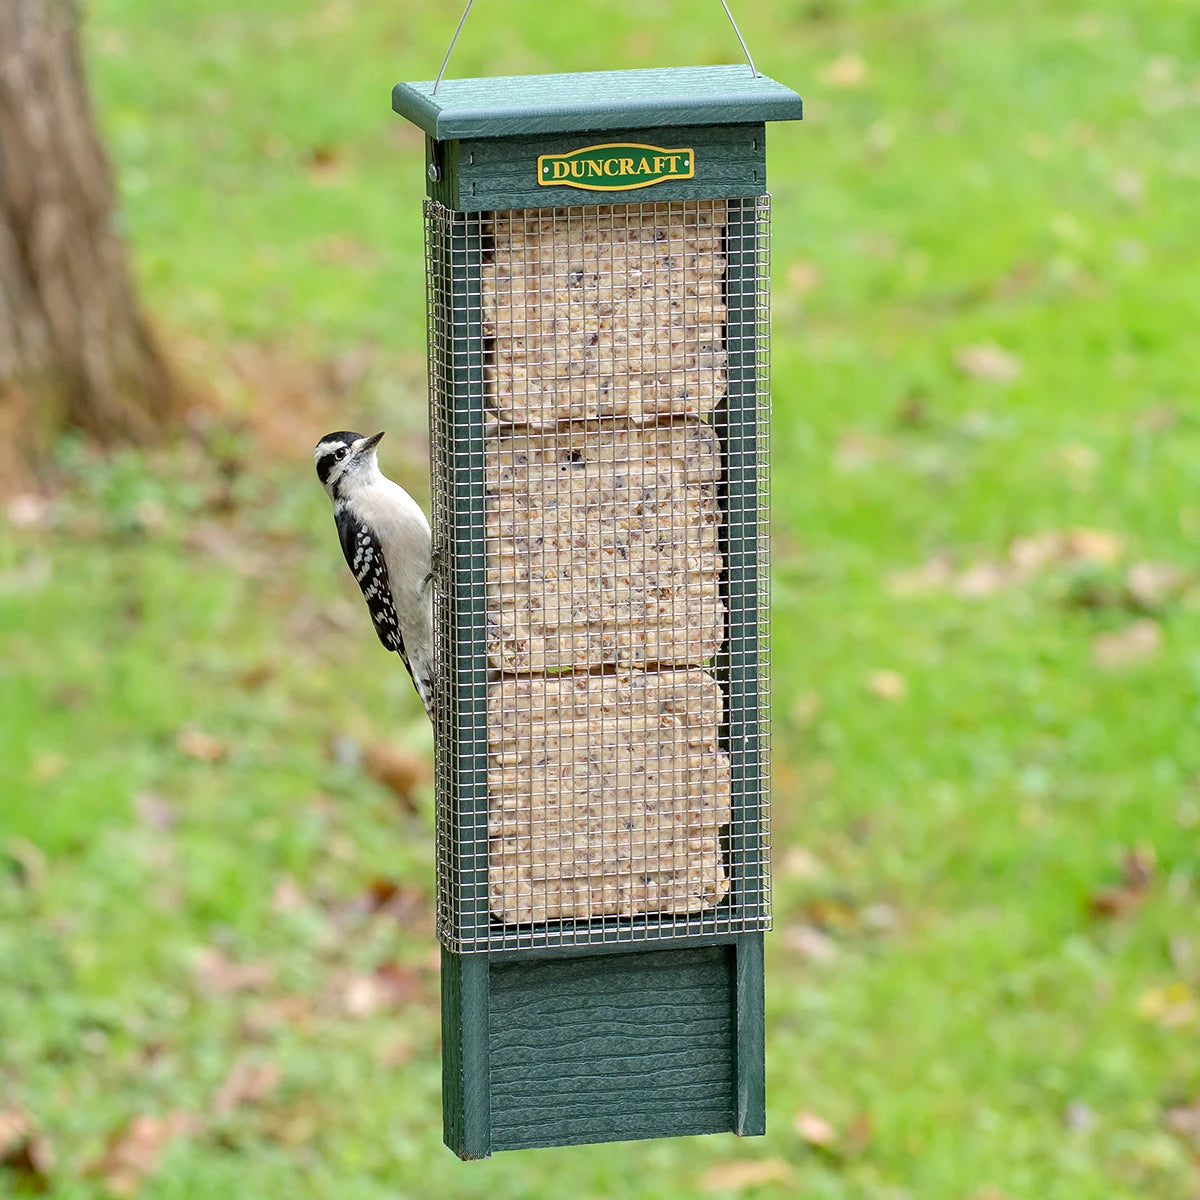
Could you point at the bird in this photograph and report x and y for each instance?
(386, 541)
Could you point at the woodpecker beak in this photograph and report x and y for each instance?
(369, 443)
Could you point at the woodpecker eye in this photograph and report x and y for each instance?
(342, 453)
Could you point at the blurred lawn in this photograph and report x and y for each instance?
(216, 958)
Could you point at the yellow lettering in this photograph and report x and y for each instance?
(674, 158)
(561, 169)
(610, 166)
(660, 165)
(627, 166)
(643, 167)
(594, 167)
(577, 169)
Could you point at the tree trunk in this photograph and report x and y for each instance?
(75, 349)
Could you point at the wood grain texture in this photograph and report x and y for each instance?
(749, 1038)
(612, 1048)
(503, 106)
(501, 173)
(466, 1112)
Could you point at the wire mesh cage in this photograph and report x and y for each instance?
(600, 420)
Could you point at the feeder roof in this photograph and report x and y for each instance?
(506, 106)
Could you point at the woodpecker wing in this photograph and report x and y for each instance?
(364, 557)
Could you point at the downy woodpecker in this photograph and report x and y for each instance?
(385, 538)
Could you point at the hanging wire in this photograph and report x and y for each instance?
(450, 48)
(462, 21)
(745, 48)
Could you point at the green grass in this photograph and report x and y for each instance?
(939, 986)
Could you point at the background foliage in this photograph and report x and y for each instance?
(217, 965)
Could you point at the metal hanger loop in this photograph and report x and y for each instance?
(462, 21)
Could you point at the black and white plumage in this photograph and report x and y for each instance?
(385, 539)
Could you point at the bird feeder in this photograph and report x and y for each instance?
(597, 271)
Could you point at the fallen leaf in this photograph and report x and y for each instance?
(133, 1153)
(246, 1083)
(860, 1133)
(29, 860)
(988, 361)
(154, 812)
(1135, 644)
(288, 896)
(1127, 185)
(1137, 873)
(389, 986)
(48, 767)
(221, 975)
(805, 708)
(401, 900)
(1184, 1120)
(745, 1173)
(24, 1152)
(29, 511)
(814, 1129)
(195, 744)
(400, 770)
(801, 863)
(879, 917)
(803, 276)
(930, 576)
(846, 71)
(1079, 1117)
(887, 685)
(810, 944)
(257, 675)
(1153, 585)
(324, 164)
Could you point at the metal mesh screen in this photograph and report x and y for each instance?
(600, 414)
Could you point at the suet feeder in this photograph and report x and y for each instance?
(597, 269)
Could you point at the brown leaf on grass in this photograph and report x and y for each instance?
(1153, 585)
(28, 510)
(48, 767)
(814, 1129)
(801, 863)
(930, 576)
(221, 975)
(24, 1153)
(887, 685)
(1184, 1120)
(246, 1083)
(202, 746)
(389, 986)
(1137, 873)
(325, 164)
(803, 276)
(846, 71)
(133, 1153)
(401, 900)
(1079, 1117)
(29, 861)
(988, 361)
(153, 812)
(810, 944)
(1027, 558)
(257, 676)
(742, 1174)
(400, 770)
(1129, 647)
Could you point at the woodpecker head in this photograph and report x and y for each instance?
(345, 458)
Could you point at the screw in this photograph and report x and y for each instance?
(433, 172)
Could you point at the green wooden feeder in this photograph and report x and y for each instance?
(597, 256)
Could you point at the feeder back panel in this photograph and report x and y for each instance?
(597, 254)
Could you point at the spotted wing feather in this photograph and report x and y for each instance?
(364, 557)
